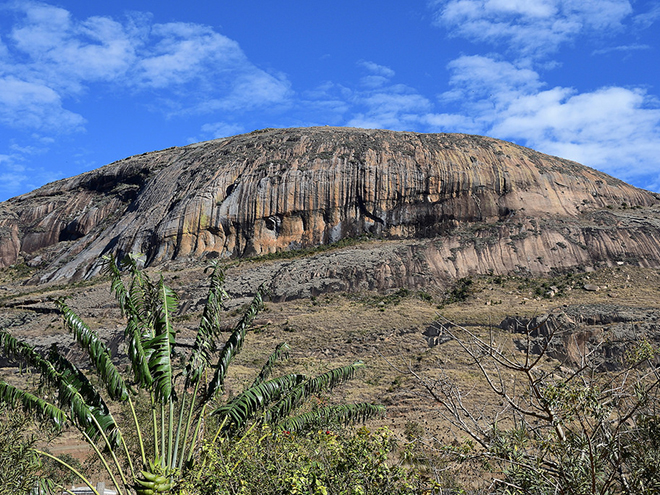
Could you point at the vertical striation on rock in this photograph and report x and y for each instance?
(283, 189)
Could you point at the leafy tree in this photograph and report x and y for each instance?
(180, 401)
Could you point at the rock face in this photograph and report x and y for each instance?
(606, 332)
(489, 204)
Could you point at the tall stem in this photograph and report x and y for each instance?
(188, 423)
(154, 422)
(139, 433)
(112, 451)
(194, 438)
(70, 468)
(103, 461)
(170, 433)
(128, 456)
(178, 429)
(162, 434)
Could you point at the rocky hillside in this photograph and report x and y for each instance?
(463, 204)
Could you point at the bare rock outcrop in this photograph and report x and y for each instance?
(605, 332)
(488, 205)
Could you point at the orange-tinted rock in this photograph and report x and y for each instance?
(284, 189)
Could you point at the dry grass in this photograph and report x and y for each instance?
(383, 331)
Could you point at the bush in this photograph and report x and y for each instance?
(322, 462)
(18, 464)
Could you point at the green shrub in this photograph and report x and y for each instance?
(349, 461)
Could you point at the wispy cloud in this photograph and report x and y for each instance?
(218, 130)
(15, 174)
(32, 105)
(529, 27)
(50, 57)
(621, 48)
(614, 129)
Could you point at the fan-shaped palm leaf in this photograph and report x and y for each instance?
(298, 395)
(12, 396)
(209, 328)
(78, 382)
(93, 419)
(136, 327)
(25, 353)
(162, 346)
(280, 352)
(256, 398)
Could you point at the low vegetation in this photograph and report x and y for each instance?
(553, 429)
(514, 420)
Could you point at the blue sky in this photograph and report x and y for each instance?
(85, 83)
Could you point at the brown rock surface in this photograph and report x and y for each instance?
(482, 204)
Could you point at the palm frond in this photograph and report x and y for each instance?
(45, 411)
(116, 284)
(162, 345)
(98, 352)
(280, 352)
(69, 397)
(15, 349)
(18, 350)
(71, 374)
(235, 343)
(329, 415)
(298, 395)
(137, 327)
(209, 328)
(255, 399)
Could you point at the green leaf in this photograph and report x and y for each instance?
(140, 322)
(209, 328)
(68, 384)
(298, 395)
(280, 352)
(337, 414)
(162, 346)
(98, 352)
(78, 383)
(256, 398)
(45, 411)
(235, 343)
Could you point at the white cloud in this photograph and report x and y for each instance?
(34, 106)
(219, 130)
(182, 52)
(477, 76)
(16, 176)
(374, 68)
(647, 19)
(65, 54)
(621, 48)
(395, 107)
(529, 27)
(49, 57)
(614, 129)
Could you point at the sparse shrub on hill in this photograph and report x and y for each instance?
(150, 453)
(554, 429)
